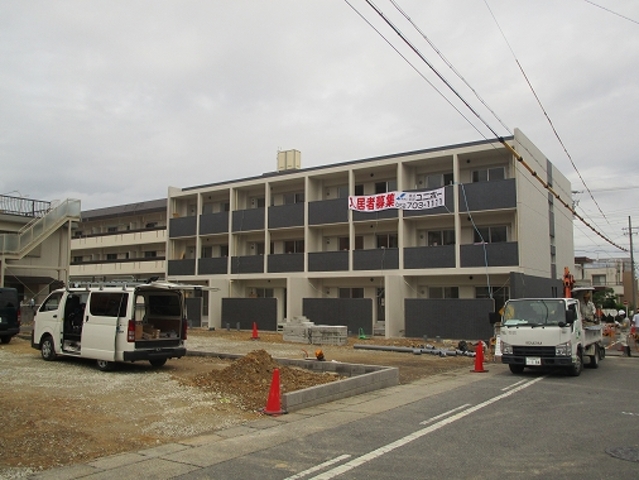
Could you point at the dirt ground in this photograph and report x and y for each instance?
(64, 412)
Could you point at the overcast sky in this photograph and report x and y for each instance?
(112, 102)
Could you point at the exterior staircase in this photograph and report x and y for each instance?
(14, 246)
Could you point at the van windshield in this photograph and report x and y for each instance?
(534, 312)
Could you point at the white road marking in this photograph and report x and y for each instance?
(445, 414)
(513, 385)
(314, 469)
(356, 462)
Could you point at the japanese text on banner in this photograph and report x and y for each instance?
(397, 200)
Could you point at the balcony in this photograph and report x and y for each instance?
(211, 223)
(328, 261)
(181, 267)
(212, 266)
(286, 216)
(248, 220)
(182, 227)
(286, 262)
(448, 206)
(247, 264)
(328, 211)
(441, 256)
(377, 259)
(490, 254)
(493, 195)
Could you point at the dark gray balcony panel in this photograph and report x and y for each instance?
(354, 313)
(372, 216)
(182, 227)
(212, 266)
(286, 262)
(488, 195)
(249, 264)
(244, 312)
(286, 216)
(377, 259)
(448, 317)
(442, 256)
(246, 220)
(181, 267)
(495, 254)
(214, 223)
(328, 211)
(328, 261)
(448, 206)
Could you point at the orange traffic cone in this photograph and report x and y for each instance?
(273, 405)
(479, 358)
(254, 336)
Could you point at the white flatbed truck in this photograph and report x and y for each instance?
(548, 332)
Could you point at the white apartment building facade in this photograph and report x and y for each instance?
(286, 244)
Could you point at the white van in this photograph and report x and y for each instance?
(113, 324)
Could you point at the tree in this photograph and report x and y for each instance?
(606, 298)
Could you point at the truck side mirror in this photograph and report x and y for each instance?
(494, 317)
(571, 316)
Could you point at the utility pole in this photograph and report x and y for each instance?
(632, 265)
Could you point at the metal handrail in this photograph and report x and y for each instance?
(15, 243)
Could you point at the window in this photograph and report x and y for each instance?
(598, 280)
(112, 229)
(257, 248)
(151, 225)
(258, 202)
(224, 250)
(359, 189)
(108, 304)
(359, 242)
(111, 256)
(344, 243)
(383, 187)
(77, 233)
(443, 292)
(207, 252)
(489, 174)
(52, 302)
(77, 259)
(264, 293)
(294, 246)
(351, 293)
(491, 234)
(387, 240)
(342, 192)
(150, 254)
(292, 198)
(441, 237)
(438, 180)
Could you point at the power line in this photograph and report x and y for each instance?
(517, 156)
(543, 109)
(611, 11)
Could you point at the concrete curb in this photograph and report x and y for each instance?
(360, 379)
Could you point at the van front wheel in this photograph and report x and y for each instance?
(157, 362)
(47, 349)
(5, 339)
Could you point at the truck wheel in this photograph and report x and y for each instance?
(576, 369)
(516, 368)
(47, 349)
(5, 339)
(594, 359)
(105, 365)
(157, 362)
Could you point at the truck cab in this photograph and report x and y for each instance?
(548, 332)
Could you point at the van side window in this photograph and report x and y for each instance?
(51, 303)
(107, 304)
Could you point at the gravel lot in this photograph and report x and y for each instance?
(64, 412)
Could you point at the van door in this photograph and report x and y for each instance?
(48, 320)
(103, 313)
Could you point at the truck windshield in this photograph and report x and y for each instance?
(534, 312)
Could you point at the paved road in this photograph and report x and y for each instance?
(462, 425)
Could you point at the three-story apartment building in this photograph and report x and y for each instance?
(293, 242)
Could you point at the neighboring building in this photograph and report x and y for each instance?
(286, 244)
(612, 273)
(124, 243)
(35, 244)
